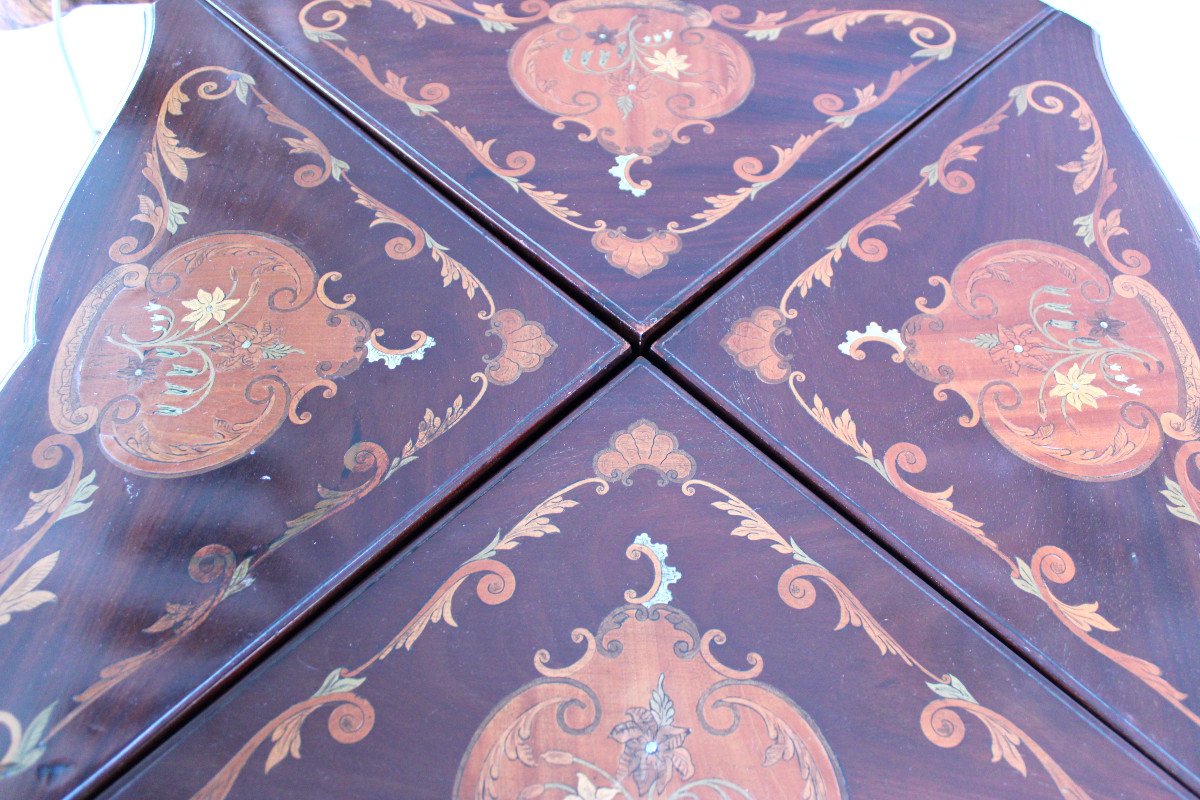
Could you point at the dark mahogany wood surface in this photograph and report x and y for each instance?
(208, 436)
(1026, 433)
(730, 119)
(643, 606)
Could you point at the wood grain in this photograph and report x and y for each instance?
(643, 607)
(639, 149)
(265, 353)
(983, 347)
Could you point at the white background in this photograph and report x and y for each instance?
(1149, 48)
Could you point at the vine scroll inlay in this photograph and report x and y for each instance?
(637, 76)
(1080, 374)
(665, 726)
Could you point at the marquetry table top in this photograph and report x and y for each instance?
(639, 149)
(605, 642)
(265, 353)
(332, 473)
(1016, 284)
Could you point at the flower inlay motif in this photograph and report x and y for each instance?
(1066, 368)
(648, 712)
(633, 74)
(189, 364)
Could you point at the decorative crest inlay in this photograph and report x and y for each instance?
(190, 364)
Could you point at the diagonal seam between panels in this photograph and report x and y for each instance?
(373, 131)
(189, 708)
(276, 639)
(849, 173)
(614, 374)
(847, 509)
(830, 192)
(642, 340)
(1077, 692)
(833, 191)
(715, 417)
(597, 383)
(278, 636)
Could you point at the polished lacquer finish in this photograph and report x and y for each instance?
(271, 359)
(264, 353)
(644, 607)
(984, 348)
(640, 149)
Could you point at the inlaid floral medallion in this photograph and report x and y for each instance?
(636, 76)
(1069, 370)
(1027, 266)
(194, 362)
(648, 711)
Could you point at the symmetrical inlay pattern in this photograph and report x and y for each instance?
(271, 359)
(194, 354)
(650, 708)
(1056, 335)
